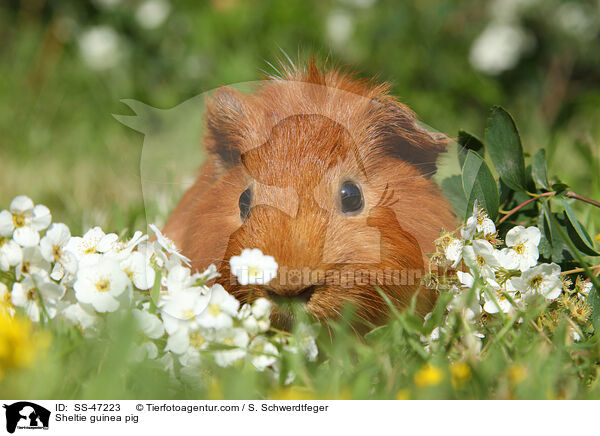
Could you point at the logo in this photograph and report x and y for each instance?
(26, 415)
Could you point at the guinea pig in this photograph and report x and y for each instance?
(329, 175)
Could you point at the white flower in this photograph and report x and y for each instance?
(32, 262)
(181, 279)
(209, 274)
(495, 296)
(11, 253)
(498, 48)
(168, 245)
(482, 257)
(306, 342)
(149, 323)
(454, 251)
(121, 250)
(221, 308)
(82, 315)
(138, 269)
(478, 222)
(151, 326)
(52, 248)
(543, 279)
(152, 13)
(100, 282)
(233, 337)
(583, 287)
(255, 317)
(35, 293)
(466, 279)
(190, 344)
(24, 221)
(262, 353)
(253, 267)
(100, 47)
(261, 308)
(94, 241)
(522, 252)
(180, 309)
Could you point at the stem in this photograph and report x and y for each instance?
(572, 194)
(578, 270)
(569, 194)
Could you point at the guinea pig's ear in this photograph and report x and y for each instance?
(225, 121)
(399, 134)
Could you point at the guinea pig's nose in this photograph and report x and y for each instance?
(302, 295)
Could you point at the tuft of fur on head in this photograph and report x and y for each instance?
(292, 143)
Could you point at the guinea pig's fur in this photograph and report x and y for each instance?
(293, 143)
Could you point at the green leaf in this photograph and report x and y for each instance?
(479, 184)
(155, 293)
(539, 170)
(594, 301)
(504, 147)
(453, 190)
(578, 234)
(468, 142)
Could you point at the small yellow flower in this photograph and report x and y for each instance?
(517, 374)
(461, 373)
(403, 394)
(292, 393)
(18, 343)
(429, 375)
(597, 238)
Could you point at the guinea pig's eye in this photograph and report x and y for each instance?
(244, 203)
(351, 197)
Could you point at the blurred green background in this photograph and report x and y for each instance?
(65, 65)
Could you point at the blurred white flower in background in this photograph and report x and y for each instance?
(107, 4)
(232, 337)
(340, 26)
(152, 13)
(364, 4)
(498, 48)
(29, 294)
(263, 353)
(578, 20)
(100, 47)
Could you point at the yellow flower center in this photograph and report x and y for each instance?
(103, 285)
(480, 261)
(214, 309)
(188, 314)
(197, 340)
(56, 252)
(536, 282)
(18, 220)
(129, 273)
(3, 241)
(253, 271)
(90, 250)
(519, 248)
(32, 294)
(229, 341)
(25, 268)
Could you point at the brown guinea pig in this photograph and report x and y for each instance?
(331, 177)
